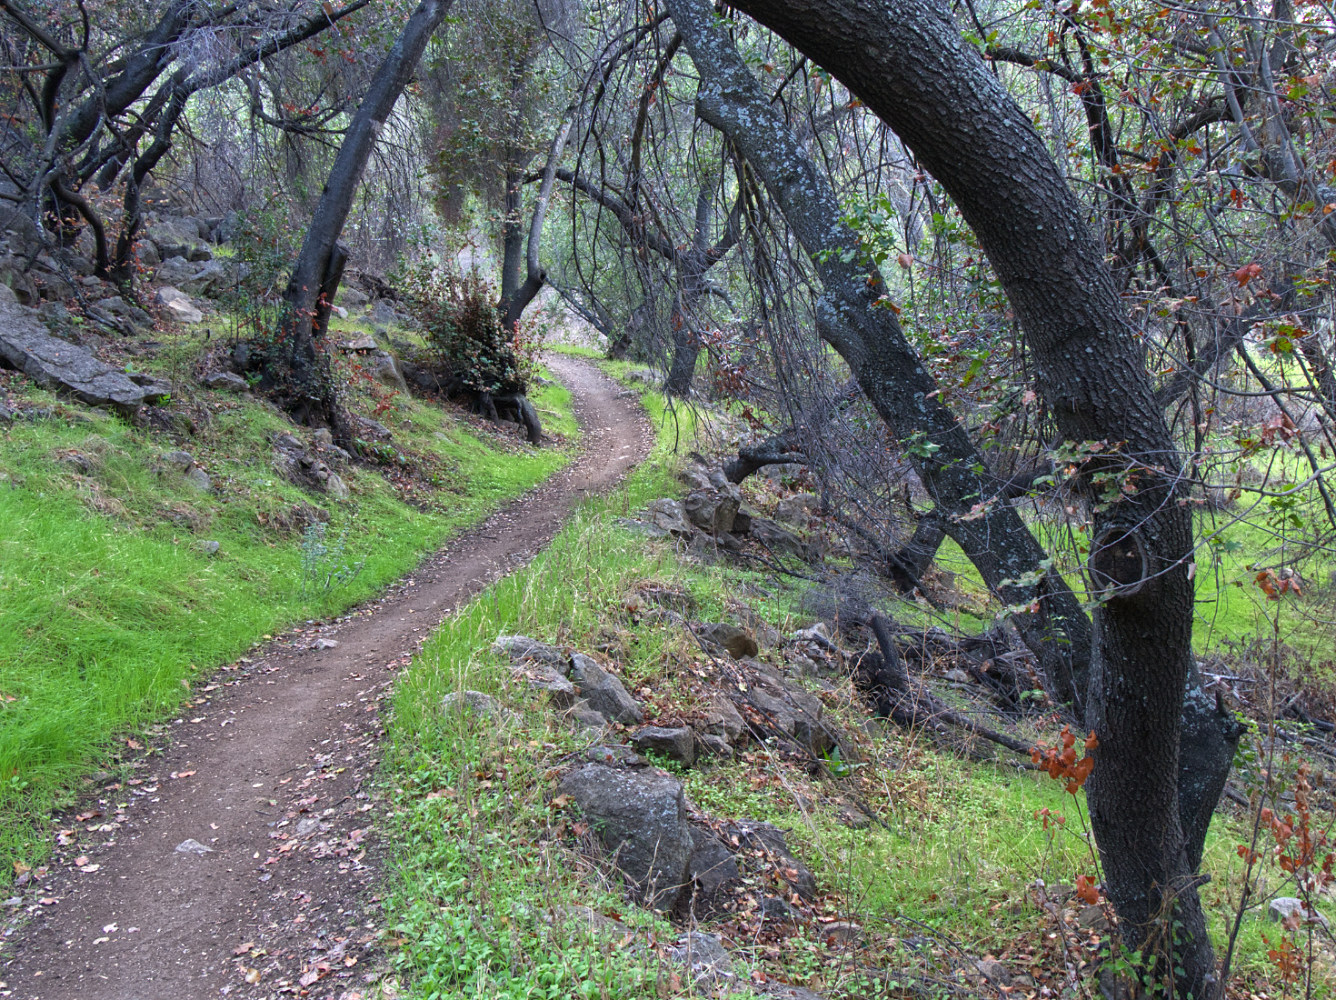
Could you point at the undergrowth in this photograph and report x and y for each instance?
(489, 897)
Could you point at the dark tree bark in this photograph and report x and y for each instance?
(908, 63)
(854, 319)
(311, 273)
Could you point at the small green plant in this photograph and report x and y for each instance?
(323, 567)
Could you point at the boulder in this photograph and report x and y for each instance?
(351, 297)
(797, 509)
(603, 691)
(212, 278)
(177, 305)
(55, 364)
(115, 312)
(383, 313)
(521, 647)
(777, 539)
(362, 343)
(705, 960)
(1284, 908)
(713, 510)
(178, 238)
(677, 743)
(712, 874)
(667, 516)
(225, 382)
(736, 641)
(175, 271)
(640, 817)
(384, 368)
(769, 842)
(723, 719)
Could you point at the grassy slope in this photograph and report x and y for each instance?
(483, 866)
(109, 605)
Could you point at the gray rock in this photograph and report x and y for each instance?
(521, 647)
(25, 344)
(384, 368)
(323, 643)
(351, 297)
(178, 238)
(192, 846)
(115, 312)
(704, 957)
(544, 677)
(199, 479)
(225, 382)
(712, 873)
(603, 691)
(146, 252)
(212, 278)
(174, 271)
(713, 746)
(990, 968)
(585, 717)
(777, 539)
(641, 819)
(382, 312)
(479, 704)
(1288, 907)
(667, 516)
(209, 548)
(322, 437)
(713, 510)
(723, 719)
(336, 487)
(797, 509)
(677, 743)
(178, 305)
(362, 343)
(769, 841)
(307, 825)
(183, 461)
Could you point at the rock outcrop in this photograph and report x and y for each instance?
(56, 364)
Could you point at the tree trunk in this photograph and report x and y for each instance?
(311, 273)
(853, 318)
(908, 63)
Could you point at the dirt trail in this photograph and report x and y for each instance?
(271, 774)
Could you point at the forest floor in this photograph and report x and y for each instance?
(242, 853)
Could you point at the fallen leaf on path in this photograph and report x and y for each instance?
(241, 949)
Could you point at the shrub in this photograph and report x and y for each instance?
(457, 310)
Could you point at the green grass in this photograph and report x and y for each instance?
(109, 605)
(481, 868)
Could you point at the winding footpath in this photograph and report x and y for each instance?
(240, 858)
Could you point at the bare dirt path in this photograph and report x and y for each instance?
(269, 770)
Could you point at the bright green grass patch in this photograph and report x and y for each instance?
(110, 604)
(480, 895)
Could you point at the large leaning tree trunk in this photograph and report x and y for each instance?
(319, 268)
(853, 318)
(907, 62)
